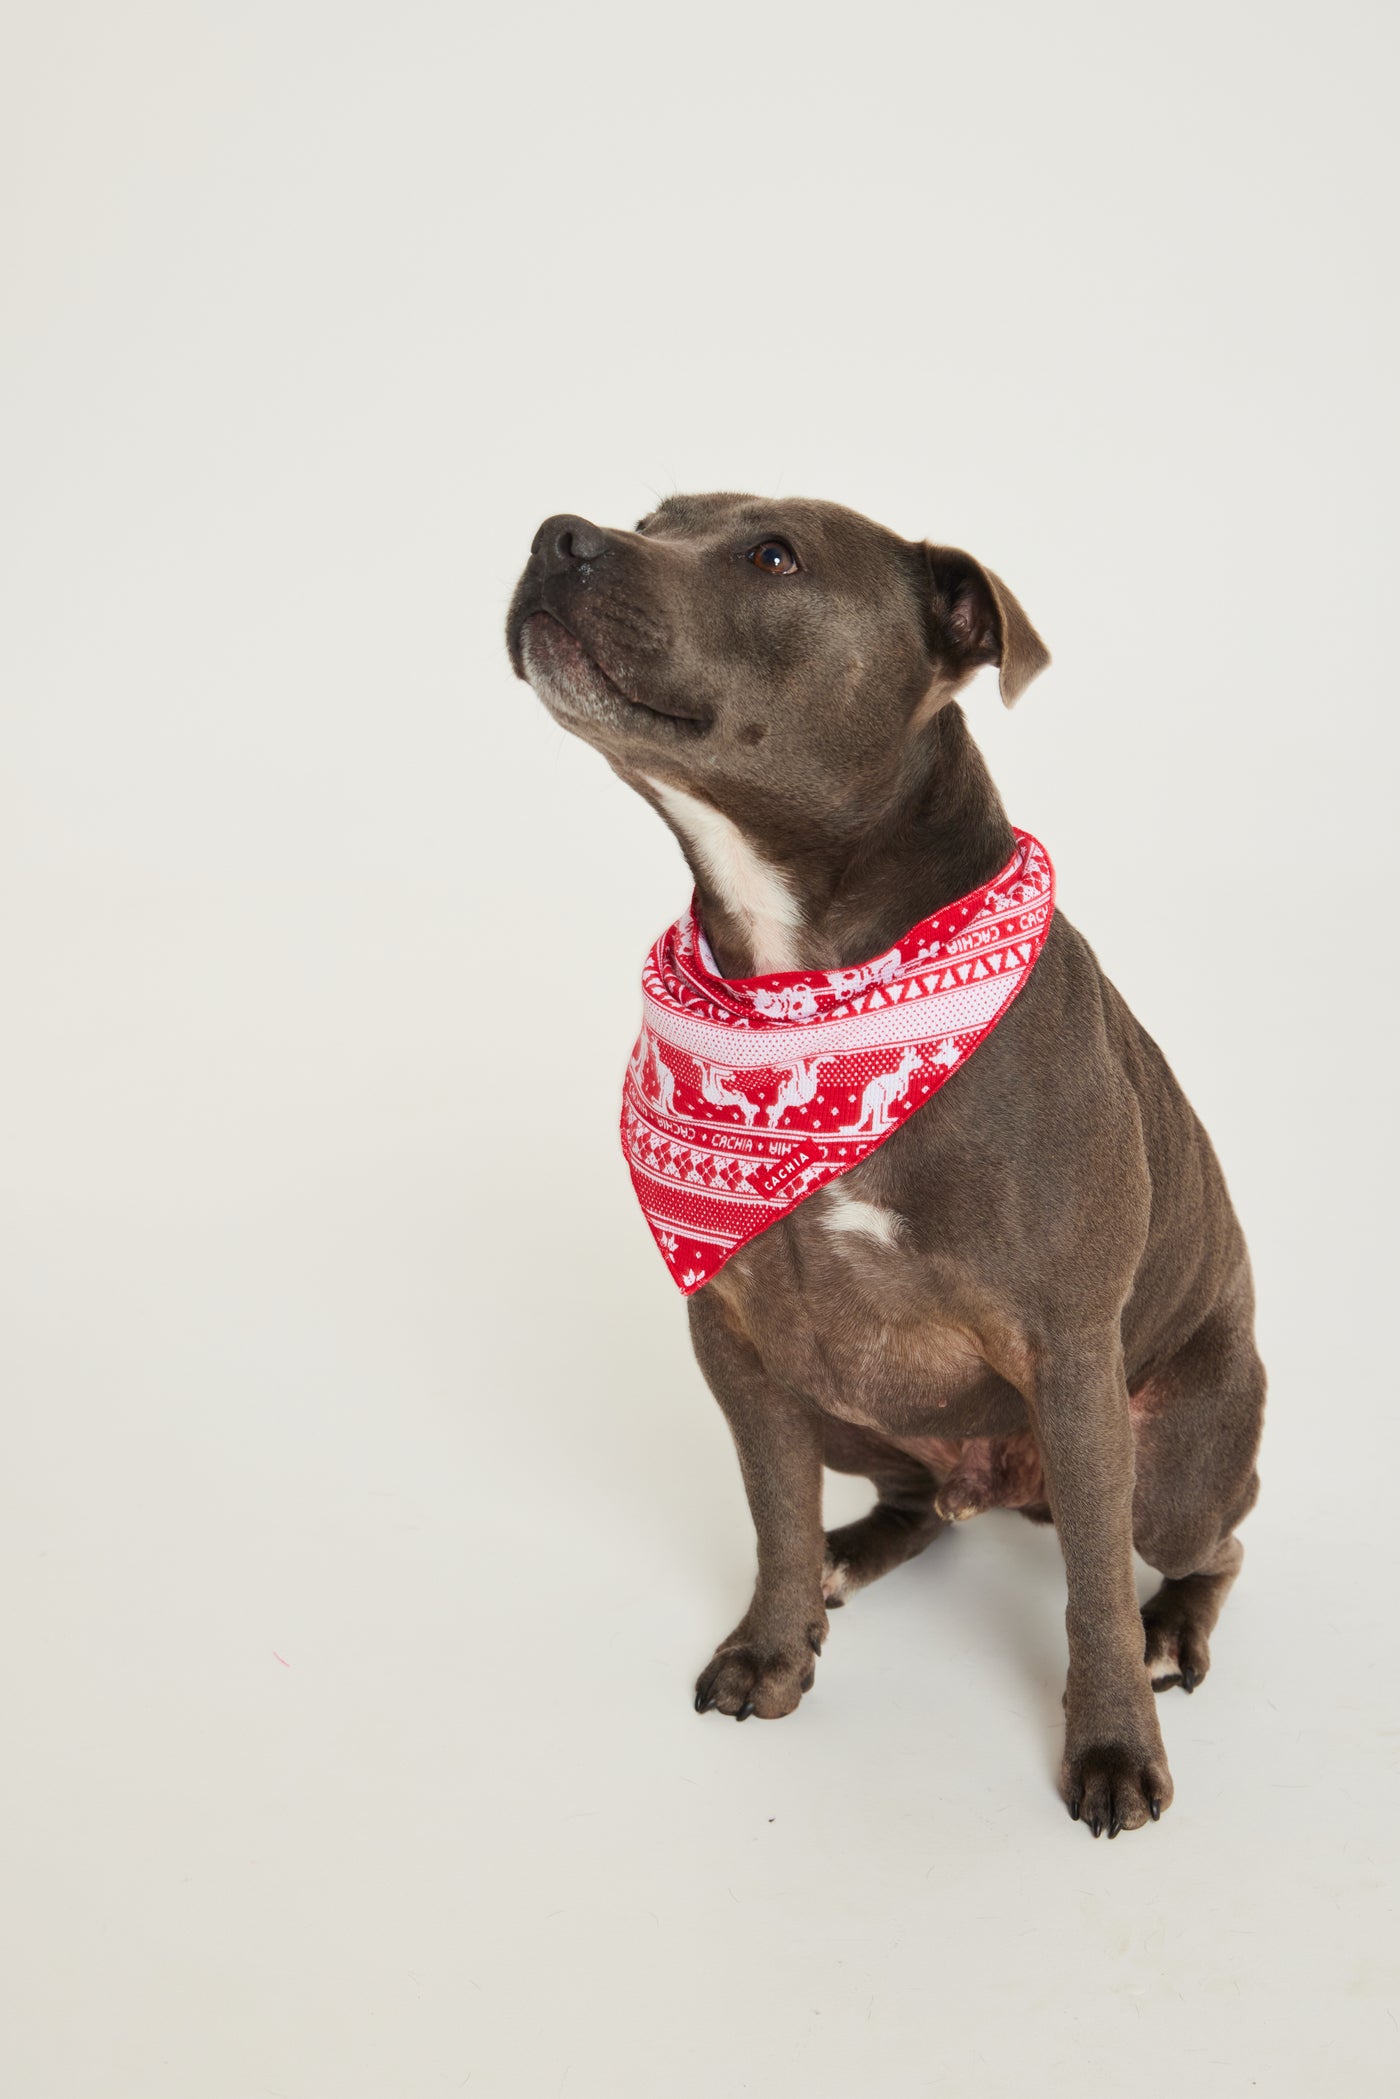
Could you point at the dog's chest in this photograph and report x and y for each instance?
(843, 1305)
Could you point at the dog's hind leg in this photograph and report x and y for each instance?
(1197, 1424)
(902, 1522)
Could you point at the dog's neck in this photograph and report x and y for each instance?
(826, 903)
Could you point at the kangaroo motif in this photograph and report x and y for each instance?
(665, 1084)
(881, 1094)
(796, 1089)
(637, 1064)
(715, 1085)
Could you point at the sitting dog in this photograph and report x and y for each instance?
(1024, 1288)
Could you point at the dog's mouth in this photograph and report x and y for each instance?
(574, 685)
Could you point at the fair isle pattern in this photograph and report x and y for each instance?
(746, 1094)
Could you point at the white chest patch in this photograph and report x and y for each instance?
(757, 894)
(842, 1212)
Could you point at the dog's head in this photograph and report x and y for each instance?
(781, 656)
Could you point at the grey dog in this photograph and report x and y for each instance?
(1035, 1293)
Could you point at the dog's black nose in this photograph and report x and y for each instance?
(564, 542)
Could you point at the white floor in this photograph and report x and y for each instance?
(355, 1593)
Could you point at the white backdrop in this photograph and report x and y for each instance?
(364, 1517)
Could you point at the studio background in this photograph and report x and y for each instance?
(364, 1519)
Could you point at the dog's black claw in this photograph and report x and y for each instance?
(1189, 1679)
(745, 1709)
(836, 1603)
(809, 1679)
(1114, 1825)
(1074, 1808)
(814, 1641)
(1096, 1826)
(1155, 1808)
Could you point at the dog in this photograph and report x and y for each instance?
(1034, 1293)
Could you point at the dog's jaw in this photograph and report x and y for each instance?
(563, 675)
(585, 697)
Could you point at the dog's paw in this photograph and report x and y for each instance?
(860, 1552)
(1176, 1651)
(743, 1677)
(1112, 1786)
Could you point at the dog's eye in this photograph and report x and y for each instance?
(775, 557)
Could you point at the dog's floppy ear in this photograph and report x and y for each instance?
(976, 620)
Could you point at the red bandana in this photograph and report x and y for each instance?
(746, 1094)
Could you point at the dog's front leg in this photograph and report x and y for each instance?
(1114, 1774)
(769, 1659)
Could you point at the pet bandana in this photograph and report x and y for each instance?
(745, 1095)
